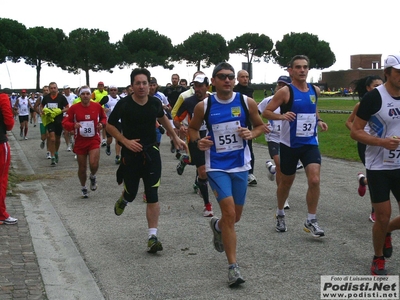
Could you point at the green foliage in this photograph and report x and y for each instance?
(202, 47)
(146, 48)
(46, 47)
(252, 45)
(89, 50)
(14, 40)
(317, 51)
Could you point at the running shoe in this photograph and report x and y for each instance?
(42, 145)
(217, 240)
(286, 206)
(280, 224)
(172, 148)
(25, 138)
(21, 133)
(85, 193)
(69, 148)
(361, 185)
(378, 266)
(251, 179)
(387, 247)
(48, 155)
(183, 161)
(208, 212)
(372, 217)
(154, 245)
(103, 143)
(313, 228)
(120, 206)
(117, 160)
(56, 157)
(178, 154)
(9, 221)
(53, 162)
(108, 150)
(93, 182)
(234, 276)
(271, 174)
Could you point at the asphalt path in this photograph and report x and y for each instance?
(85, 251)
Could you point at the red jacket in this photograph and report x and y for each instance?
(6, 117)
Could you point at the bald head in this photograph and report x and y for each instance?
(243, 77)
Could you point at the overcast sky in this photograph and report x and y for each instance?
(350, 27)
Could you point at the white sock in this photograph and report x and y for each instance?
(311, 216)
(272, 169)
(152, 231)
(217, 227)
(280, 212)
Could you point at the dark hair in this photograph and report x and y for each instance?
(362, 83)
(139, 71)
(222, 66)
(296, 57)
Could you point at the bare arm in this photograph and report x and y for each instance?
(358, 133)
(350, 120)
(194, 127)
(256, 121)
(281, 97)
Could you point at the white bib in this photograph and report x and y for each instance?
(227, 137)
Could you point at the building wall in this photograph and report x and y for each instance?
(364, 61)
(361, 66)
(337, 79)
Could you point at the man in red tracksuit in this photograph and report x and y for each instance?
(6, 124)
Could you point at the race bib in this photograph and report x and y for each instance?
(52, 105)
(23, 110)
(87, 129)
(305, 125)
(391, 157)
(227, 137)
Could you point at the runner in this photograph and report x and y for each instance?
(86, 119)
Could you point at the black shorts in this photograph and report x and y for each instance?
(273, 149)
(289, 157)
(145, 165)
(381, 183)
(55, 127)
(23, 119)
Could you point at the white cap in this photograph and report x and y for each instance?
(201, 78)
(392, 61)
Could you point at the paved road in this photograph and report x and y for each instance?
(84, 251)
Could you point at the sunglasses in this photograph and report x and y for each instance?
(224, 76)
